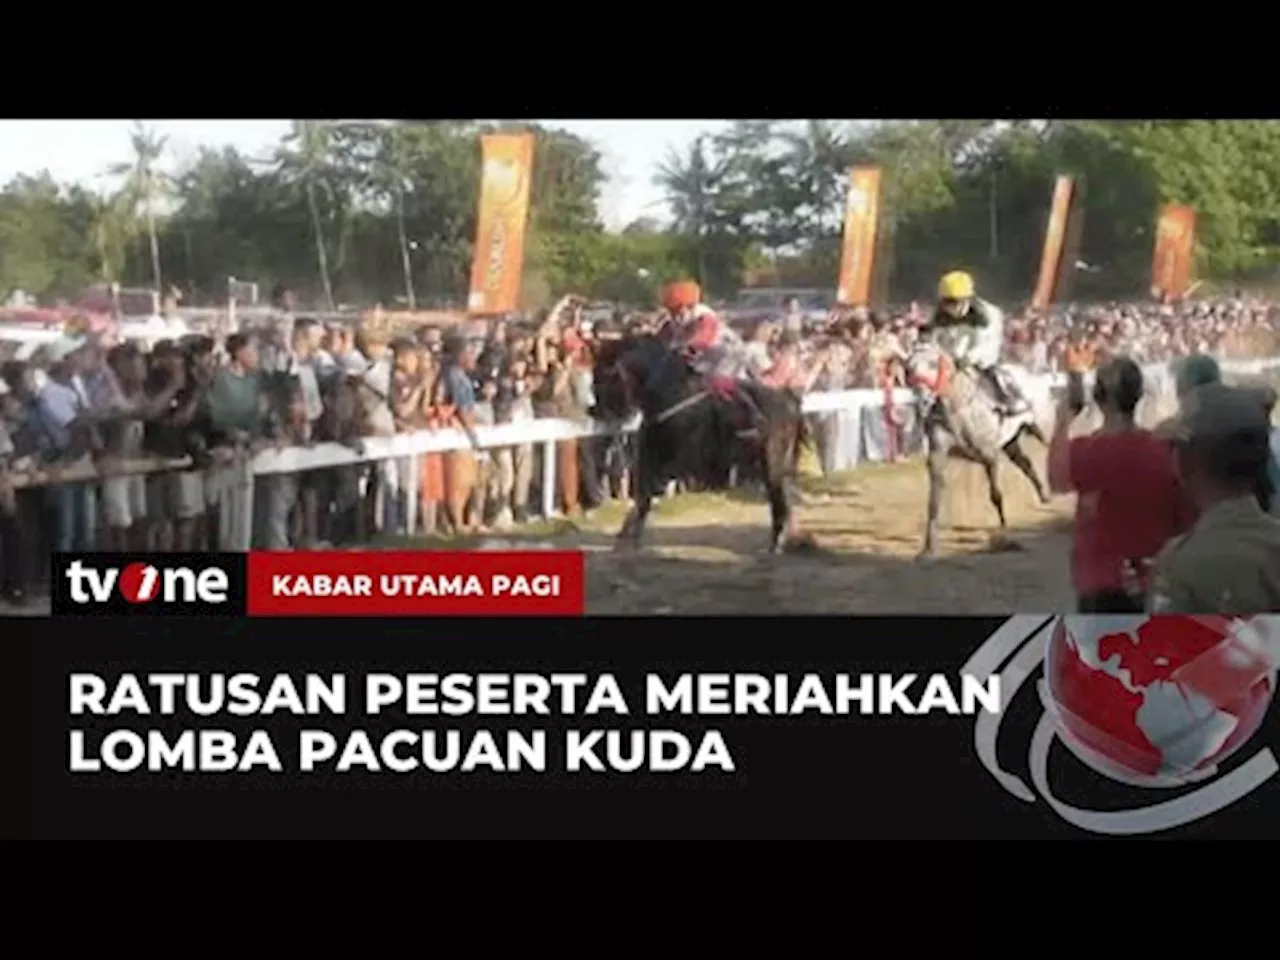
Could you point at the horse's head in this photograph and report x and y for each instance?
(929, 369)
(625, 372)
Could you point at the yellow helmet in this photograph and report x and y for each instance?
(956, 285)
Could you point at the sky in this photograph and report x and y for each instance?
(82, 150)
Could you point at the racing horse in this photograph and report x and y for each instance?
(689, 428)
(961, 417)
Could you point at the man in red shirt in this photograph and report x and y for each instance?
(1129, 501)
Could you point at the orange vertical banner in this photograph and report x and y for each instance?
(861, 218)
(496, 270)
(1174, 258)
(1055, 239)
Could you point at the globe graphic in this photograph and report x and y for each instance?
(1111, 692)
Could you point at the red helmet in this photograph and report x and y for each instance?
(678, 296)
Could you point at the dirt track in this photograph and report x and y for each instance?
(704, 553)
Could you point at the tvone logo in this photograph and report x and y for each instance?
(1014, 652)
(141, 583)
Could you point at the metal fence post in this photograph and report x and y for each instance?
(549, 479)
(241, 492)
(412, 494)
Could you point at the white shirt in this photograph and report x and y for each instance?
(756, 354)
(1039, 356)
(310, 386)
(377, 399)
(980, 346)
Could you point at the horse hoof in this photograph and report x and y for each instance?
(800, 543)
(1003, 543)
(928, 553)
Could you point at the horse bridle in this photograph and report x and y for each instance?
(939, 381)
(632, 402)
(628, 385)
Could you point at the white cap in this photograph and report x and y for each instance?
(63, 347)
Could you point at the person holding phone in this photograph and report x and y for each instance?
(1129, 502)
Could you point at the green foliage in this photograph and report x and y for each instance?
(385, 211)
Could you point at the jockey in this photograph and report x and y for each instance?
(714, 349)
(974, 334)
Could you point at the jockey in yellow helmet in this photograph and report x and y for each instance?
(972, 330)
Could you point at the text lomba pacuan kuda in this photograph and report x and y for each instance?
(624, 734)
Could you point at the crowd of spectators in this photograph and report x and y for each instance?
(840, 352)
(75, 411)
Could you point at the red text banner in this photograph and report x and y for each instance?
(420, 583)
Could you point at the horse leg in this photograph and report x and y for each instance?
(1034, 430)
(936, 460)
(1013, 450)
(633, 526)
(992, 468)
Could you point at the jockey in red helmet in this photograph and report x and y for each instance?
(693, 324)
(714, 348)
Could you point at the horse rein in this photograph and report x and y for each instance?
(939, 382)
(629, 395)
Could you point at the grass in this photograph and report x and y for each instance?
(609, 517)
(532, 532)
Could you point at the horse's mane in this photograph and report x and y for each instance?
(610, 352)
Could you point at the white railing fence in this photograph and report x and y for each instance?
(546, 432)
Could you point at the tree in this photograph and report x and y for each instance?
(144, 187)
(46, 230)
(372, 212)
(305, 154)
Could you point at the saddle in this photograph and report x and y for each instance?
(1000, 388)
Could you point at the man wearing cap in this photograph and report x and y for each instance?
(1229, 561)
(63, 410)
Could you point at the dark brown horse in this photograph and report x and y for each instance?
(688, 429)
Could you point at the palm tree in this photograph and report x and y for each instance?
(393, 170)
(306, 154)
(110, 233)
(819, 157)
(689, 182)
(144, 185)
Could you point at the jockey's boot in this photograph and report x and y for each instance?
(1008, 396)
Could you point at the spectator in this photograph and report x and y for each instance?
(409, 403)
(14, 572)
(63, 409)
(520, 458)
(458, 394)
(1195, 371)
(238, 409)
(124, 497)
(756, 353)
(309, 365)
(1229, 562)
(1128, 501)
